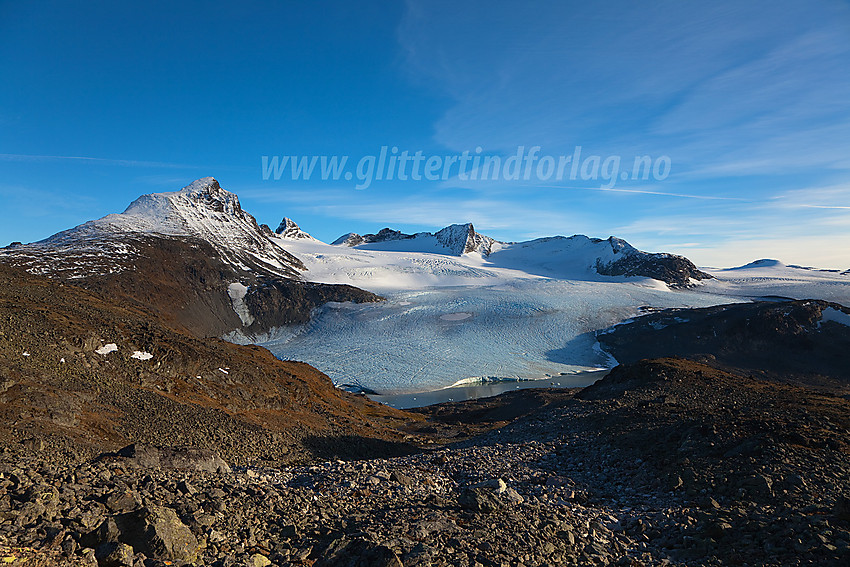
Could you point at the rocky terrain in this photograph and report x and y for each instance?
(131, 436)
(664, 462)
(80, 375)
(799, 342)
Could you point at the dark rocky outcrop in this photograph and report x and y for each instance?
(276, 303)
(675, 270)
(782, 340)
(668, 268)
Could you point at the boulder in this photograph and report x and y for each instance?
(841, 510)
(182, 458)
(155, 531)
(114, 554)
(357, 553)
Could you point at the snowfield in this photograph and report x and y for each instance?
(771, 278)
(428, 339)
(523, 312)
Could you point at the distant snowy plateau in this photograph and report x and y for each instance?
(460, 306)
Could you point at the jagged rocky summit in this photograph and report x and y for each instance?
(457, 239)
(194, 255)
(289, 230)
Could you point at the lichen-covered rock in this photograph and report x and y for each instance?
(155, 531)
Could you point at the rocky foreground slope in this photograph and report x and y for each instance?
(664, 462)
(80, 375)
(129, 439)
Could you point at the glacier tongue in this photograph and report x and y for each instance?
(430, 338)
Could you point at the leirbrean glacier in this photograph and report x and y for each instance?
(518, 312)
(432, 338)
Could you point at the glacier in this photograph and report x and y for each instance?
(428, 339)
(528, 311)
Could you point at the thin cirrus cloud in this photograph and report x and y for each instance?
(703, 83)
(94, 160)
(426, 210)
(754, 117)
(785, 228)
(836, 197)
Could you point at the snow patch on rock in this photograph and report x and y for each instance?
(237, 292)
(106, 349)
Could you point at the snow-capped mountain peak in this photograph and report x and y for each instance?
(762, 263)
(201, 210)
(462, 239)
(191, 211)
(619, 245)
(350, 239)
(288, 229)
(456, 239)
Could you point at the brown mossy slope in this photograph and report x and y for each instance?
(184, 281)
(60, 395)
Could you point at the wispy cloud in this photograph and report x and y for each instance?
(756, 120)
(764, 99)
(427, 209)
(649, 192)
(836, 197)
(88, 159)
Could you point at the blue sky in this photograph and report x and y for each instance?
(104, 101)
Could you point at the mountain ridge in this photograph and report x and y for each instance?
(608, 257)
(457, 239)
(202, 210)
(207, 264)
(179, 253)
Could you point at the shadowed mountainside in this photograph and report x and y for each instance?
(794, 341)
